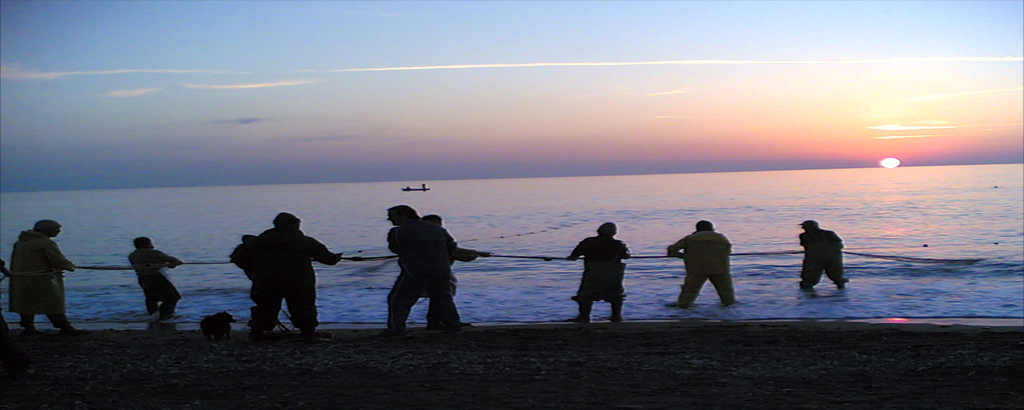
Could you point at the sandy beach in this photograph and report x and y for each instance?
(638, 365)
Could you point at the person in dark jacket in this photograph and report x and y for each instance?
(461, 255)
(823, 251)
(424, 252)
(279, 262)
(150, 264)
(602, 272)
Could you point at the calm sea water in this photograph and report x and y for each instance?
(959, 212)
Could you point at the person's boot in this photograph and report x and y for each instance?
(616, 311)
(585, 306)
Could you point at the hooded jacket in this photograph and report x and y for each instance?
(37, 293)
(704, 253)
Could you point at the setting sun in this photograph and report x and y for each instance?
(890, 163)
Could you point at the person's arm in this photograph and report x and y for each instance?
(578, 250)
(322, 254)
(171, 261)
(56, 258)
(625, 251)
(673, 249)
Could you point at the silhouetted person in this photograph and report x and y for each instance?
(37, 283)
(150, 264)
(279, 262)
(706, 257)
(603, 270)
(13, 357)
(823, 251)
(461, 255)
(424, 256)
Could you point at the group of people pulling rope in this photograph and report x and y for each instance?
(279, 264)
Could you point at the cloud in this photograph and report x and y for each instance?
(132, 93)
(17, 73)
(258, 85)
(679, 91)
(897, 127)
(696, 62)
(240, 121)
(894, 137)
(968, 94)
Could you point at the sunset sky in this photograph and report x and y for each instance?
(148, 94)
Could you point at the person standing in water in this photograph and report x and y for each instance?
(823, 251)
(706, 258)
(603, 271)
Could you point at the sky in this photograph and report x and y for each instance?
(98, 95)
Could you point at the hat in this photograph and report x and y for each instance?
(285, 218)
(608, 228)
(809, 222)
(705, 226)
(46, 224)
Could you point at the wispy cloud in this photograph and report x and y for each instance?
(896, 137)
(258, 85)
(898, 127)
(679, 91)
(240, 121)
(132, 93)
(968, 94)
(695, 62)
(18, 73)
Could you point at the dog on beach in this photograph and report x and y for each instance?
(217, 326)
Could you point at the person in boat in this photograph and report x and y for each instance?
(705, 255)
(424, 256)
(37, 280)
(603, 270)
(279, 263)
(461, 255)
(161, 295)
(823, 251)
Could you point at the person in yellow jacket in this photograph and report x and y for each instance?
(706, 257)
(37, 280)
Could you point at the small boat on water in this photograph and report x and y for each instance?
(421, 188)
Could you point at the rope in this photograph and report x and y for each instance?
(544, 258)
(912, 259)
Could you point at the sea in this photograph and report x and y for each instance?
(925, 243)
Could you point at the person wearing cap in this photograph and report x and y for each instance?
(151, 268)
(37, 281)
(823, 251)
(603, 270)
(279, 263)
(706, 258)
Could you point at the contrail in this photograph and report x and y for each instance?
(697, 62)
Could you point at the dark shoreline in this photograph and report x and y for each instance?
(631, 365)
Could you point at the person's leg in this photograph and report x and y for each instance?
(690, 289)
(301, 299)
(834, 271)
(404, 295)
(439, 290)
(723, 285)
(616, 309)
(585, 306)
(267, 298)
(27, 322)
(810, 273)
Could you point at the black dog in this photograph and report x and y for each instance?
(218, 326)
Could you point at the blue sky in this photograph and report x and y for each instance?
(139, 94)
